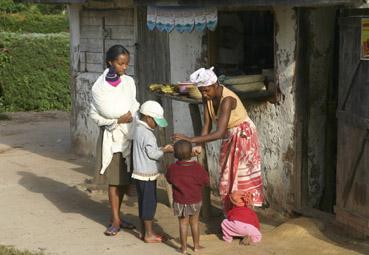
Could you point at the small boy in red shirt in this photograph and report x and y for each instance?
(188, 179)
(241, 221)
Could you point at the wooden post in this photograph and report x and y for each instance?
(197, 127)
(165, 138)
(74, 30)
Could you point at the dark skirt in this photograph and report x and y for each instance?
(116, 173)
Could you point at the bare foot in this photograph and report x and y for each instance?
(197, 248)
(245, 241)
(153, 239)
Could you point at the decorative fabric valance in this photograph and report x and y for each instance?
(182, 19)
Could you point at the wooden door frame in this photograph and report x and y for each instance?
(300, 187)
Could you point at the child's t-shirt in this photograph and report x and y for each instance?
(245, 215)
(187, 179)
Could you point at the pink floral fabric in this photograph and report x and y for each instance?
(240, 165)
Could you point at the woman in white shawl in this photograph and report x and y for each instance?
(113, 108)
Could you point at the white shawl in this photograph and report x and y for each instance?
(109, 103)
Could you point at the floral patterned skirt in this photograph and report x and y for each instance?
(240, 165)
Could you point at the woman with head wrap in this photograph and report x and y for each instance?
(239, 158)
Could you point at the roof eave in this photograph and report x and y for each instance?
(245, 3)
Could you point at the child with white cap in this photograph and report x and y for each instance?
(146, 155)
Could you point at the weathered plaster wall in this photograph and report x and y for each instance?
(84, 130)
(185, 57)
(320, 47)
(94, 32)
(276, 123)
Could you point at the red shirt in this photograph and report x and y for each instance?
(187, 179)
(244, 214)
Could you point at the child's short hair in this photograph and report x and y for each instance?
(182, 150)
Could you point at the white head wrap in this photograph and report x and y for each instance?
(204, 77)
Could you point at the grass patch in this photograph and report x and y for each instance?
(34, 72)
(5, 250)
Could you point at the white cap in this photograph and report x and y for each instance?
(154, 110)
(204, 77)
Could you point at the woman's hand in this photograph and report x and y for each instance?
(126, 118)
(177, 137)
(196, 151)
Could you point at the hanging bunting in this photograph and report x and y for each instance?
(169, 20)
(188, 19)
(211, 19)
(160, 20)
(200, 20)
(151, 18)
(182, 19)
(180, 22)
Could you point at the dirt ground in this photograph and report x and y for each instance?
(45, 205)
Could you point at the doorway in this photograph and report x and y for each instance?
(316, 102)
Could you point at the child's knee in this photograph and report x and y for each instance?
(183, 220)
(224, 223)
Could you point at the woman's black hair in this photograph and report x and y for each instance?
(113, 53)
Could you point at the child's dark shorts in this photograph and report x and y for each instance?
(147, 199)
(184, 210)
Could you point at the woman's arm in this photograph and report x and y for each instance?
(204, 131)
(226, 107)
(222, 123)
(207, 121)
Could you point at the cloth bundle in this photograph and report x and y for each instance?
(110, 101)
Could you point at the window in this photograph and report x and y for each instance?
(243, 43)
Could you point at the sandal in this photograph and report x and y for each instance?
(126, 225)
(111, 231)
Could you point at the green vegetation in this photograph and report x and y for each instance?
(34, 72)
(14, 6)
(33, 23)
(34, 57)
(32, 18)
(4, 250)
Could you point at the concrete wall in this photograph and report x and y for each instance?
(94, 32)
(276, 123)
(185, 57)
